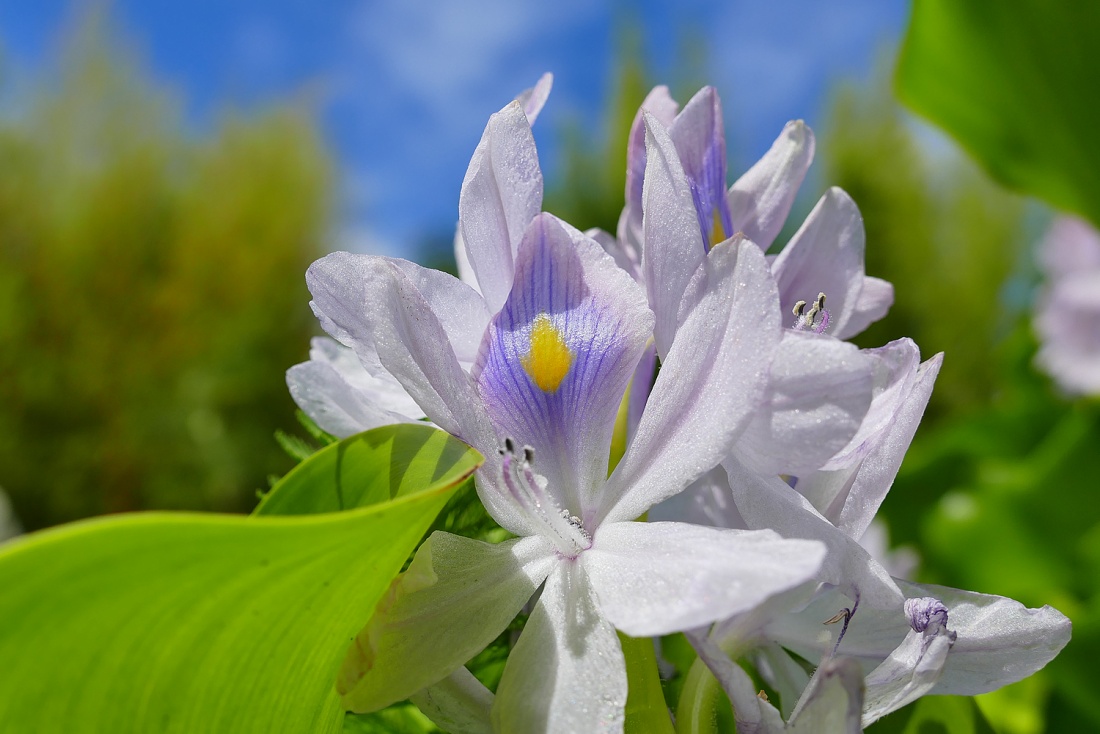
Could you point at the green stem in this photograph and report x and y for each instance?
(646, 710)
(698, 709)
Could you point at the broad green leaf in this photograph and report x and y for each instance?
(375, 466)
(172, 622)
(1014, 81)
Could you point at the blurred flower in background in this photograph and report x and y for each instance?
(1068, 315)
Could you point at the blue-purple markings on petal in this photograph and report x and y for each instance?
(700, 126)
(569, 427)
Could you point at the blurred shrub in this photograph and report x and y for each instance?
(151, 292)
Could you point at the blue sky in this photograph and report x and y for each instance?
(405, 86)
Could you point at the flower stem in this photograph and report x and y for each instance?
(646, 710)
(698, 709)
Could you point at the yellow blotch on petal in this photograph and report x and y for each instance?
(549, 359)
(718, 232)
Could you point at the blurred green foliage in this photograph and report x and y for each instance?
(947, 237)
(1014, 82)
(151, 290)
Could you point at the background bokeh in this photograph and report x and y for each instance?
(168, 170)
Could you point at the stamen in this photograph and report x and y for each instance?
(528, 489)
(815, 320)
(844, 615)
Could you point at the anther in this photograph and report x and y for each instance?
(815, 320)
(844, 615)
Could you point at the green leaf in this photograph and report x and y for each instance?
(1014, 81)
(173, 622)
(375, 466)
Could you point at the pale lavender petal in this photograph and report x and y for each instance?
(334, 405)
(875, 299)
(787, 676)
(709, 386)
(760, 200)
(500, 194)
(909, 672)
(673, 246)
(342, 296)
(700, 140)
(1000, 641)
(819, 389)
(625, 255)
(462, 262)
(455, 598)
(372, 305)
(558, 357)
(901, 562)
(752, 714)
(567, 673)
(746, 631)
(640, 386)
(825, 256)
(769, 502)
(659, 578)
(663, 108)
(810, 633)
(460, 310)
(851, 496)
(365, 374)
(458, 704)
(832, 702)
(533, 99)
(708, 501)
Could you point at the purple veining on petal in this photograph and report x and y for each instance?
(700, 140)
(569, 424)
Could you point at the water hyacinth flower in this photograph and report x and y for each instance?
(534, 381)
(553, 367)
(1067, 318)
(910, 640)
(678, 207)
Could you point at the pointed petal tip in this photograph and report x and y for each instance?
(799, 132)
(840, 198)
(533, 99)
